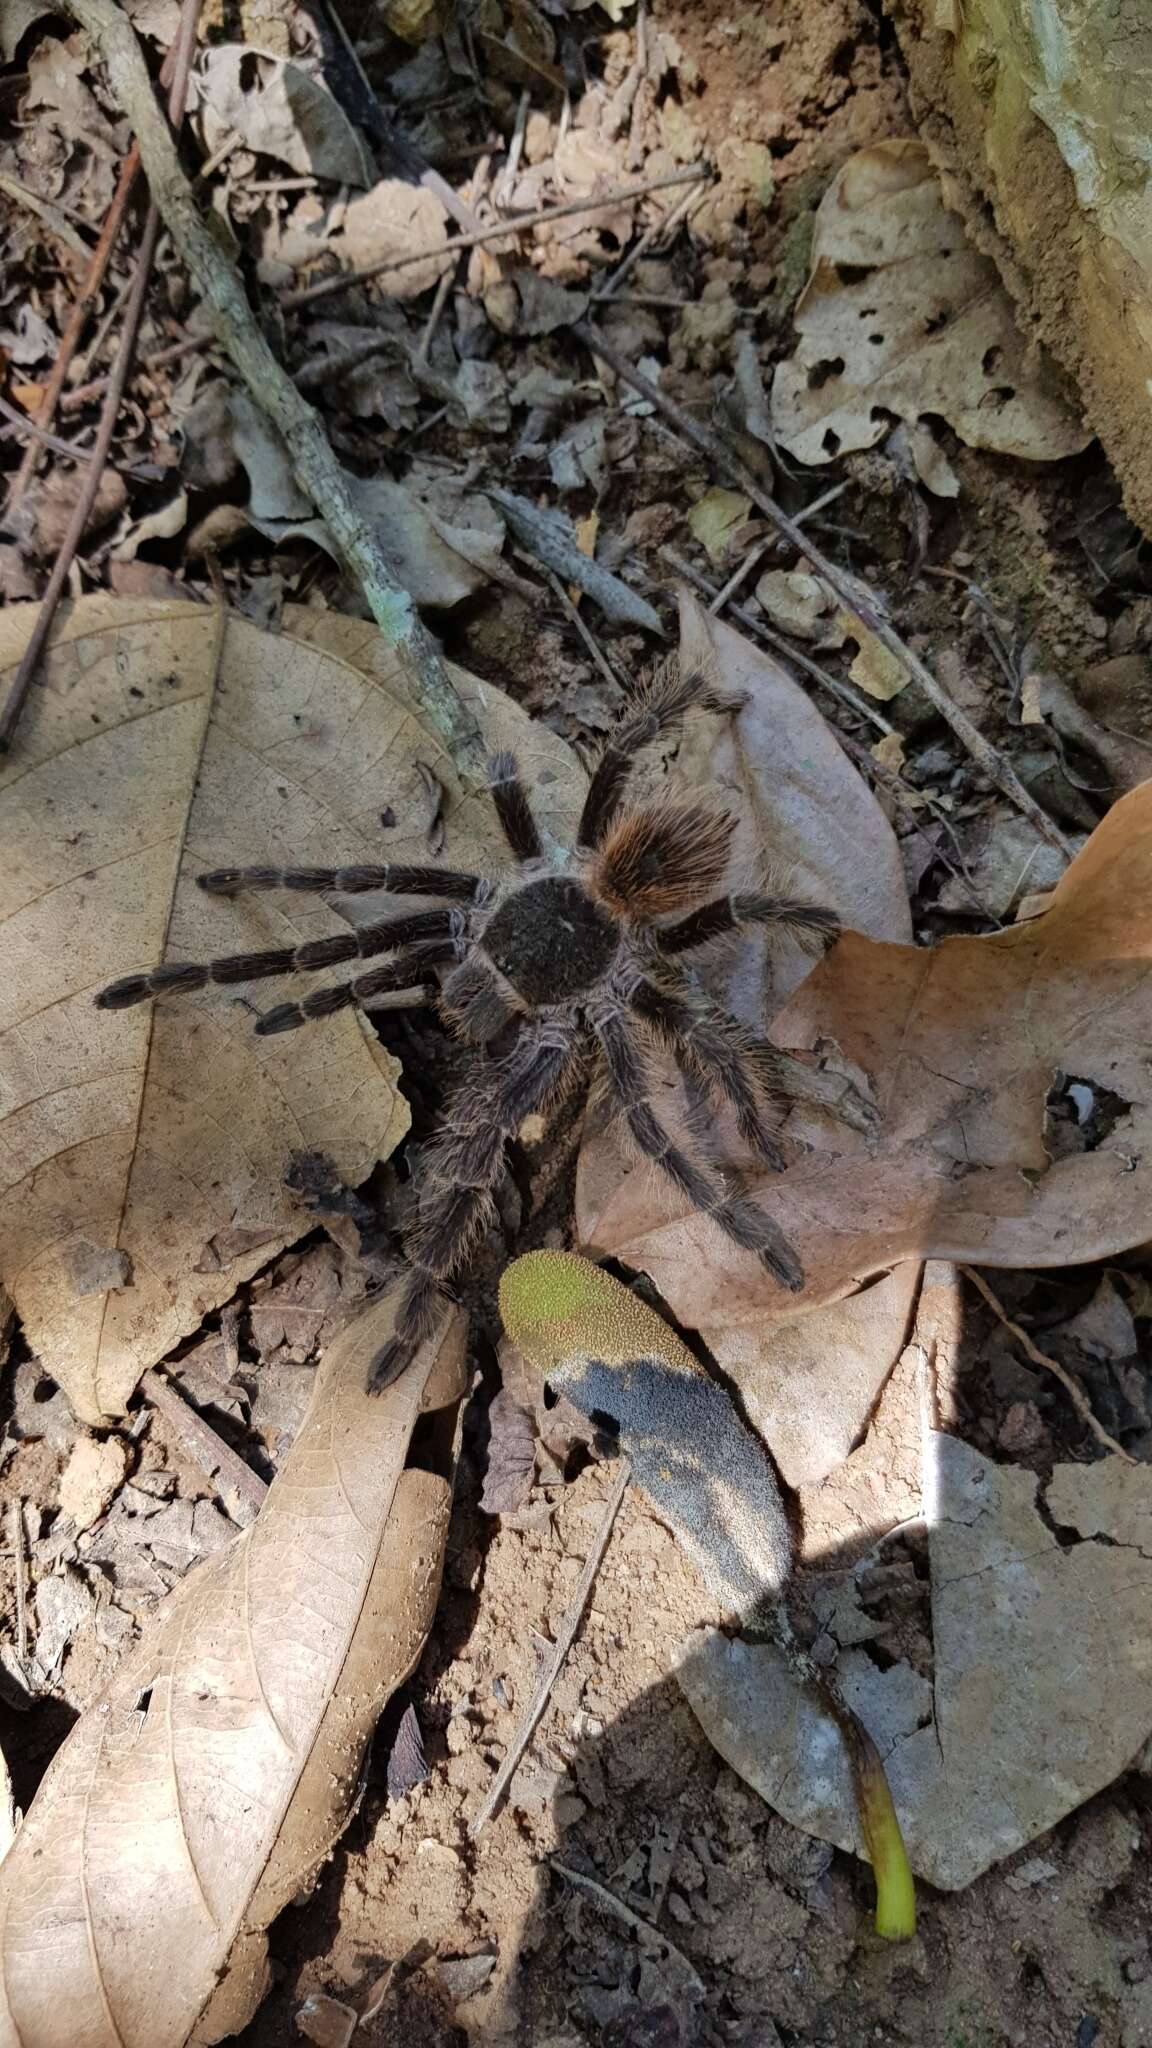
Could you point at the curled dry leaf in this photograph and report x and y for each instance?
(202, 1789)
(809, 1382)
(963, 1045)
(279, 110)
(395, 219)
(148, 1132)
(920, 325)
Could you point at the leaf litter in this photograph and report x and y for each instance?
(769, 1952)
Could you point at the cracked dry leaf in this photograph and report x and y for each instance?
(965, 1046)
(808, 1381)
(145, 1134)
(202, 1789)
(1040, 1691)
(902, 317)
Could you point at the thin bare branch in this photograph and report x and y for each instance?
(1072, 1387)
(565, 1637)
(316, 468)
(730, 464)
(238, 1483)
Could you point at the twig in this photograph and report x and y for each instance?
(657, 232)
(729, 463)
(19, 423)
(89, 484)
(1072, 1387)
(20, 1572)
(901, 793)
(565, 1637)
(515, 223)
(584, 630)
(649, 1936)
(210, 1451)
(85, 299)
(56, 222)
(549, 537)
(780, 645)
(315, 466)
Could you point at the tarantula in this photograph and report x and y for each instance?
(565, 950)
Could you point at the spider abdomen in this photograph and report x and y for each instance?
(550, 940)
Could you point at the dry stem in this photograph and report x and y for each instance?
(729, 463)
(313, 462)
(1072, 1388)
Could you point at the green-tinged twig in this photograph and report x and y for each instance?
(314, 464)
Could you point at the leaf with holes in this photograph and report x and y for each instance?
(203, 1788)
(901, 318)
(144, 1152)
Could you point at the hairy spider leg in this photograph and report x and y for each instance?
(744, 1222)
(711, 1047)
(387, 935)
(657, 711)
(475, 1003)
(661, 856)
(513, 808)
(411, 973)
(809, 923)
(464, 1163)
(352, 881)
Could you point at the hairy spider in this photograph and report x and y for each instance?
(566, 953)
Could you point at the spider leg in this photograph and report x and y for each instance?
(513, 808)
(741, 1220)
(411, 973)
(463, 1164)
(710, 1046)
(353, 881)
(809, 923)
(658, 710)
(474, 1003)
(386, 936)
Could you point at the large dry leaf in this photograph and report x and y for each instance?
(962, 1044)
(202, 1788)
(1039, 1695)
(143, 1152)
(809, 1382)
(926, 329)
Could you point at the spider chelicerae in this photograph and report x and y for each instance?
(566, 953)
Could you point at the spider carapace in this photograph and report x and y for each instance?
(566, 954)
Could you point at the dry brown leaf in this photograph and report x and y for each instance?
(202, 1789)
(962, 1045)
(395, 219)
(928, 329)
(148, 1132)
(809, 1382)
(279, 110)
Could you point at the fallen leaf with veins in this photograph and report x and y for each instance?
(130, 1139)
(920, 325)
(1040, 1691)
(203, 1788)
(809, 1381)
(963, 1045)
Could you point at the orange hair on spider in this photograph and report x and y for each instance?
(662, 856)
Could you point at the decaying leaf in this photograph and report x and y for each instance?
(202, 1789)
(809, 1380)
(395, 219)
(1039, 1696)
(714, 519)
(146, 1133)
(964, 1045)
(277, 109)
(920, 325)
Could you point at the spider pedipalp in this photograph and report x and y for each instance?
(564, 956)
